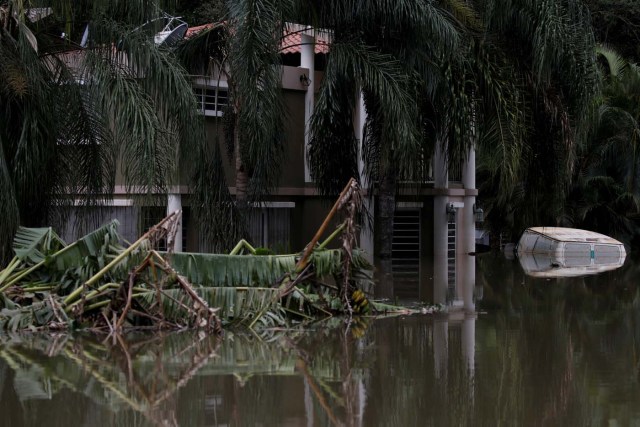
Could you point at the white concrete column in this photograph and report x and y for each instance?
(440, 348)
(308, 404)
(174, 203)
(440, 249)
(440, 226)
(469, 232)
(307, 60)
(469, 170)
(469, 341)
(440, 170)
(469, 351)
(366, 233)
(362, 401)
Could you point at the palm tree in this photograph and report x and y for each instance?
(248, 53)
(549, 46)
(389, 52)
(83, 87)
(606, 192)
(244, 50)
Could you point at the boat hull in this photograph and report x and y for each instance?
(564, 252)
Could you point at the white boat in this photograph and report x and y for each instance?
(566, 252)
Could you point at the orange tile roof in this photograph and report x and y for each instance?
(291, 41)
(192, 31)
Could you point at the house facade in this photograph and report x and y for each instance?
(434, 232)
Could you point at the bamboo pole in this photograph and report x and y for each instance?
(20, 275)
(309, 249)
(288, 283)
(40, 288)
(332, 236)
(4, 275)
(242, 244)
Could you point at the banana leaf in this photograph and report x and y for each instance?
(30, 384)
(96, 245)
(30, 317)
(34, 244)
(216, 270)
(71, 265)
(234, 303)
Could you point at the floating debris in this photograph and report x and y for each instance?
(97, 283)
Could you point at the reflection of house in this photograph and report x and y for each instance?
(434, 218)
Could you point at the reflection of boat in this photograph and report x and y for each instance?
(568, 252)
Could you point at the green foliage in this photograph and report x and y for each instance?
(215, 270)
(379, 50)
(234, 304)
(606, 192)
(616, 23)
(34, 244)
(51, 261)
(257, 27)
(50, 285)
(69, 114)
(544, 54)
(263, 251)
(198, 12)
(26, 318)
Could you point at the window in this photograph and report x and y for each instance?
(211, 100)
(270, 226)
(82, 220)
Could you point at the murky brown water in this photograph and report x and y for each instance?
(539, 352)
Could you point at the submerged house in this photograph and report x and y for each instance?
(435, 220)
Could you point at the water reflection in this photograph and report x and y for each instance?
(546, 352)
(549, 266)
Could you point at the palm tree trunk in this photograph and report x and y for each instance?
(242, 178)
(386, 210)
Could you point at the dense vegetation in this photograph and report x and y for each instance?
(525, 81)
(579, 167)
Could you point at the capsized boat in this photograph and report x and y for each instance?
(568, 252)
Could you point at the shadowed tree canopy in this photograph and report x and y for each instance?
(550, 48)
(85, 93)
(199, 12)
(606, 191)
(616, 23)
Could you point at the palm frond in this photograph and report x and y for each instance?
(615, 63)
(355, 65)
(207, 48)
(221, 224)
(8, 205)
(256, 81)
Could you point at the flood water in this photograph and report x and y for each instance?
(538, 352)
